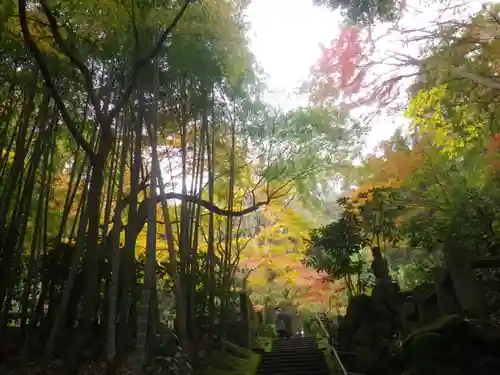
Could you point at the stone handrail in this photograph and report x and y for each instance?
(335, 353)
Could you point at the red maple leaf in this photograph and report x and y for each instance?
(341, 59)
(493, 146)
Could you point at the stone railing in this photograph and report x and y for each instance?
(323, 323)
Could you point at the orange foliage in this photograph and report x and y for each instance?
(321, 290)
(493, 151)
(494, 144)
(389, 170)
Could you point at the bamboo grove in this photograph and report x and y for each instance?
(135, 149)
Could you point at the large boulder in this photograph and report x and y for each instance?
(454, 346)
(366, 335)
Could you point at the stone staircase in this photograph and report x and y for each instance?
(294, 356)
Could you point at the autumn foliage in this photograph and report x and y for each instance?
(345, 71)
(493, 152)
(337, 68)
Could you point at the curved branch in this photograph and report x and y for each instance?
(142, 211)
(212, 207)
(49, 82)
(489, 82)
(87, 76)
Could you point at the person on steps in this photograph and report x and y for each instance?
(280, 324)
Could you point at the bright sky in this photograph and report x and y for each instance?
(285, 38)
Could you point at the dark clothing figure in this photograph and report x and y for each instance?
(281, 325)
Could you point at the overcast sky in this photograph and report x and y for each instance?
(285, 38)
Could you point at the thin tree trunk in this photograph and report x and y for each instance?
(211, 228)
(115, 255)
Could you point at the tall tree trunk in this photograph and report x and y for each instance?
(128, 278)
(115, 254)
(7, 252)
(70, 282)
(36, 241)
(211, 227)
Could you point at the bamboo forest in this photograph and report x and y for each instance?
(161, 213)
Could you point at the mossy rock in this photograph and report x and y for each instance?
(427, 346)
(366, 358)
(235, 360)
(445, 326)
(454, 346)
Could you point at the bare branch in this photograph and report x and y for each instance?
(489, 82)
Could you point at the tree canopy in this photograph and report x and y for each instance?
(140, 168)
(143, 176)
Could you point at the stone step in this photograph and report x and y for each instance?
(294, 356)
(280, 344)
(313, 366)
(294, 347)
(292, 367)
(294, 359)
(293, 350)
(294, 342)
(298, 357)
